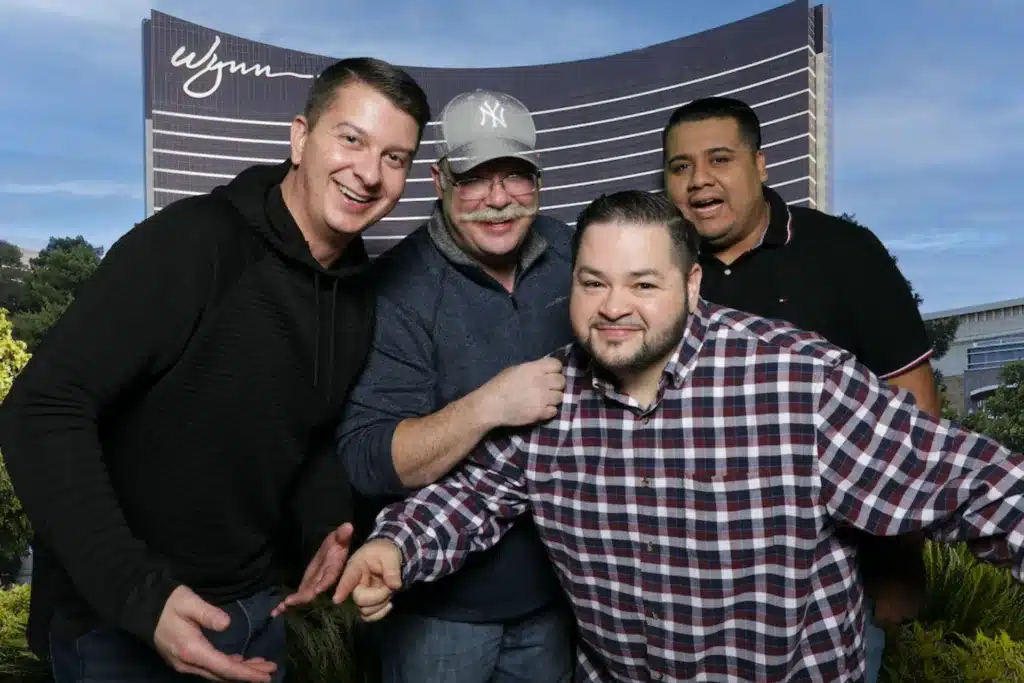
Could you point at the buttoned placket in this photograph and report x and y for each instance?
(647, 497)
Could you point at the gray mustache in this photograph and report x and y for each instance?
(489, 215)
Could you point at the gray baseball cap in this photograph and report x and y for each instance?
(482, 125)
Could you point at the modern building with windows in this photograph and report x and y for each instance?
(215, 103)
(989, 337)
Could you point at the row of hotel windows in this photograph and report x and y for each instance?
(993, 314)
(995, 353)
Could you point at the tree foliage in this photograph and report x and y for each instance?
(12, 276)
(42, 292)
(15, 530)
(1002, 415)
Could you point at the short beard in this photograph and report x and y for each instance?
(651, 351)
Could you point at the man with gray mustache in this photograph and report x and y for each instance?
(469, 307)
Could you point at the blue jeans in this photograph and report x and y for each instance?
(535, 649)
(109, 655)
(874, 643)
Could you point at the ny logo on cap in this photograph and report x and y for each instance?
(493, 111)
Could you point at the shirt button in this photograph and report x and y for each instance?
(650, 547)
(656, 675)
(728, 271)
(645, 482)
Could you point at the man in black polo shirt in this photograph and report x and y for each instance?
(815, 271)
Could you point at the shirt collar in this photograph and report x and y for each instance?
(780, 220)
(683, 361)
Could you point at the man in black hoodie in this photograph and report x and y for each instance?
(172, 437)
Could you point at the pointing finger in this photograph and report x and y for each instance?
(349, 580)
(343, 534)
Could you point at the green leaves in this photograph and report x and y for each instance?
(38, 294)
(1002, 416)
(971, 629)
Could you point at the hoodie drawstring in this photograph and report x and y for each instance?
(330, 356)
(330, 349)
(316, 347)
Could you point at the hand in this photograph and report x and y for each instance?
(180, 641)
(323, 571)
(525, 394)
(373, 575)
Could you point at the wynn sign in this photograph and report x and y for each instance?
(216, 103)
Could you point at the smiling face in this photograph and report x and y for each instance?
(715, 178)
(490, 207)
(630, 297)
(352, 164)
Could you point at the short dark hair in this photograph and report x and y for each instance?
(717, 108)
(641, 207)
(393, 82)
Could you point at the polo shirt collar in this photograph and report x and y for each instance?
(780, 220)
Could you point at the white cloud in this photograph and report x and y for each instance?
(76, 188)
(945, 241)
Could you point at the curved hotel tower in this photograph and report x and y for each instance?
(216, 103)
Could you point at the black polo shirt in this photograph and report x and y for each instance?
(829, 276)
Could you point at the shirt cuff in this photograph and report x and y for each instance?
(405, 540)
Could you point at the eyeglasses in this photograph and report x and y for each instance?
(515, 184)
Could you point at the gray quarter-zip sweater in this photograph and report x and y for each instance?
(444, 328)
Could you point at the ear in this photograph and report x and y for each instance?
(762, 169)
(299, 135)
(693, 286)
(435, 173)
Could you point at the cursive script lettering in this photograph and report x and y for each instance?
(212, 67)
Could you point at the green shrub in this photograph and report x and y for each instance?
(15, 530)
(970, 629)
(966, 596)
(16, 661)
(919, 654)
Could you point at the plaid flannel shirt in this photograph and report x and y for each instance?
(701, 538)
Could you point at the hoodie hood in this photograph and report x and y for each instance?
(250, 193)
(256, 194)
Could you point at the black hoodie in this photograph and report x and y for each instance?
(175, 426)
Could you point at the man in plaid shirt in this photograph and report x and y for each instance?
(692, 487)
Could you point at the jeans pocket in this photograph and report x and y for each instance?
(252, 631)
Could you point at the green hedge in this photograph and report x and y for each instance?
(16, 662)
(971, 630)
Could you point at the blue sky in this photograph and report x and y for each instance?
(928, 98)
